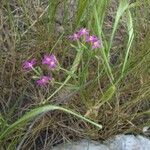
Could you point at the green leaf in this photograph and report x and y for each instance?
(130, 39)
(37, 111)
(107, 66)
(82, 4)
(108, 95)
(123, 6)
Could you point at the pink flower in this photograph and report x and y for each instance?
(96, 44)
(83, 32)
(91, 38)
(50, 60)
(28, 65)
(43, 80)
(75, 36)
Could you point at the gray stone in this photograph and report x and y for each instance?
(119, 142)
(129, 142)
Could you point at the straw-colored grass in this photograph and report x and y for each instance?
(107, 88)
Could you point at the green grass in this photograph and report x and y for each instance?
(107, 87)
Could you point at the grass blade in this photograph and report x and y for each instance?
(37, 111)
(80, 10)
(105, 98)
(123, 5)
(130, 39)
(72, 71)
(106, 61)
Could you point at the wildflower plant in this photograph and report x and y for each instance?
(41, 80)
(81, 45)
(103, 91)
(81, 36)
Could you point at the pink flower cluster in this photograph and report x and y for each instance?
(49, 60)
(92, 39)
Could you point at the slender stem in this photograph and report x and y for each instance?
(57, 42)
(72, 70)
(63, 69)
(36, 71)
(106, 61)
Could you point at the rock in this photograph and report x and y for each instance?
(119, 142)
(129, 142)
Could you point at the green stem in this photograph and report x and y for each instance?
(105, 58)
(36, 71)
(72, 70)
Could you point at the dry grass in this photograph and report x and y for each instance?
(25, 34)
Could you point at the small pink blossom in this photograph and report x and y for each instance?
(28, 65)
(75, 36)
(91, 38)
(43, 80)
(50, 60)
(96, 44)
(83, 32)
